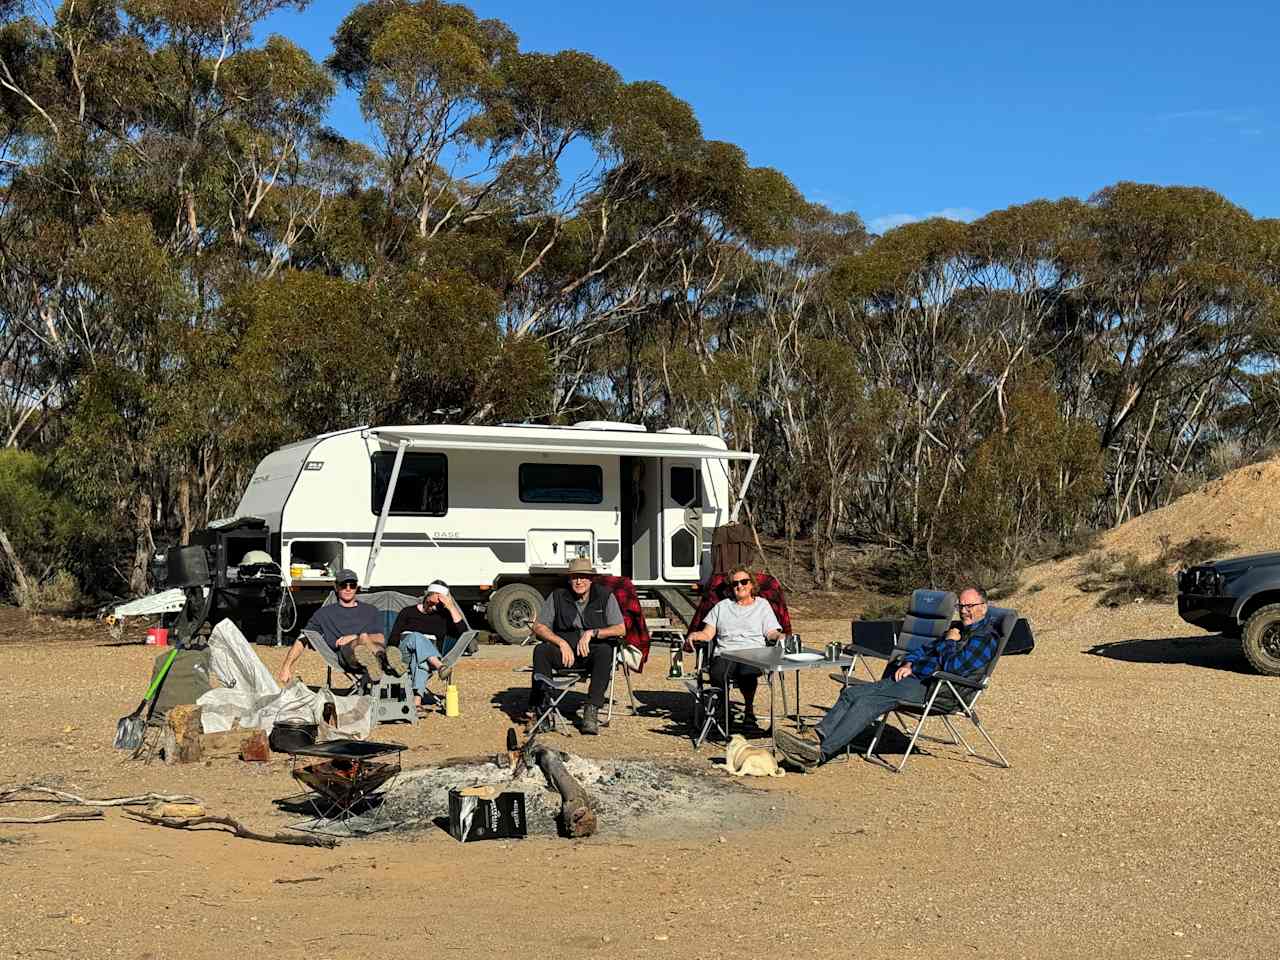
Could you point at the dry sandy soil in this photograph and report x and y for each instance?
(1138, 820)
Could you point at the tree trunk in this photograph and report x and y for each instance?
(144, 546)
(21, 584)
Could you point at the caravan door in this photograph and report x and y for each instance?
(681, 519)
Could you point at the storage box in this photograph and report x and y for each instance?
(485, 813)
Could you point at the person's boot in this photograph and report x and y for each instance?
(368, 658)
(590, 724)
(395, 662)
(804, 748)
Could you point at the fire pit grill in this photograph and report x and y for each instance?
(343, 784)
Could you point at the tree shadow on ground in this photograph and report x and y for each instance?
(1214, 652)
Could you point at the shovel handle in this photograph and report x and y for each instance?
(155, 684)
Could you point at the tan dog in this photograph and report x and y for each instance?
(743, 760)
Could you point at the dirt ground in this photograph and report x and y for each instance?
(1138, 820)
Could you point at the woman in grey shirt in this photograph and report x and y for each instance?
(740, 623)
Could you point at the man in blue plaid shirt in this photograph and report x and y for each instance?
(964, 652)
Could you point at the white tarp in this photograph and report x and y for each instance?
(251, 699)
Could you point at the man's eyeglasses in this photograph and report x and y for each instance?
(579, 576)
(973, 606)
(347, 585)
(740, 583)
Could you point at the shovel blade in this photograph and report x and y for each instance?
(129, 732)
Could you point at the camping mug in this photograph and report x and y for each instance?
(791, 643)
(834, 651)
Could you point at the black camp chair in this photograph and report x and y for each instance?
(950, 696)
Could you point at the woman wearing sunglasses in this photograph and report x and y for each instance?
(739, 623)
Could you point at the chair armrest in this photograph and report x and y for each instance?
(877, 653)
(956, 680)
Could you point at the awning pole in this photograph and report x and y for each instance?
(746, 482)
(386, 510)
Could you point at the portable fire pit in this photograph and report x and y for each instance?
(344, 784)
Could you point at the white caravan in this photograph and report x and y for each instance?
(497, 512)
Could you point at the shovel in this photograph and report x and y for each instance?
(129, 730)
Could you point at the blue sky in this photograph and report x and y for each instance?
(902, 110)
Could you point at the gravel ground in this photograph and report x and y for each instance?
(1138, 820)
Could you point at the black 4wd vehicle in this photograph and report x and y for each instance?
(1241, 598)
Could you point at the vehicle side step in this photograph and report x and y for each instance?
(676, 601)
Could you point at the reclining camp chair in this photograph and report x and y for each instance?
(930, 614)
(711, 703)
(630, 654)
(949, 696)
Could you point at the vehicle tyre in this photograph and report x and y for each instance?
(511, 611)
(1261, 640)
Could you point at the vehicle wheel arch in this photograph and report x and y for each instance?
(1254, 602)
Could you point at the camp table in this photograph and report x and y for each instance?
(771, 661)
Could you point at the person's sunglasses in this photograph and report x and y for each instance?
(579, 576)
(347, 585)
(972, 606)
(740, 583)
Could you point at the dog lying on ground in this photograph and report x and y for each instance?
(743, 760)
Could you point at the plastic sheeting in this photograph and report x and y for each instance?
(251, 699)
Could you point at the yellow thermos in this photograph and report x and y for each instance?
(451, 700)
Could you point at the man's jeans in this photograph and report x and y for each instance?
(416, 648)
(860, 704)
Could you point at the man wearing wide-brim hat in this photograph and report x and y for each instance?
(575, 625)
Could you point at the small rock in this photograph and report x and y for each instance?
(661, 936)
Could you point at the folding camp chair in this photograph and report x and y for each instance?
(930, 614)
(392, 696)
(948, 696)
(563, 680)
(711, 703)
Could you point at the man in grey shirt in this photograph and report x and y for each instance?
(574, 626)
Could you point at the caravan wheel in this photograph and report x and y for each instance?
(512, 610)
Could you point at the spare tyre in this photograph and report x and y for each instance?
(511, 611)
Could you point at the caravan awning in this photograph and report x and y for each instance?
(636, 445)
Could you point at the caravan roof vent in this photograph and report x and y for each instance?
(609, 425)
(674, 430)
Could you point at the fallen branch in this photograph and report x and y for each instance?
(577, 815)
(56, 817)
(236, 827)
(50, 795)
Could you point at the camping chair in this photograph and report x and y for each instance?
(711, 703)
(930, 614)
(949, 696)
(630, 654)
(565, 679)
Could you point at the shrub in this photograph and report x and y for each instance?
(1200, 548)
(1139, 580)
(48, 532)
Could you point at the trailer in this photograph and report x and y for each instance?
(497, 512)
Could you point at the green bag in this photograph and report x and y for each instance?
(188, 678)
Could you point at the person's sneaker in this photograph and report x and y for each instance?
(590, 724)
(802, 749)
(368, 659)
(749, 720)
(395, 662)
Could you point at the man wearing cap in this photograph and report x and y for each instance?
(352, 629)
(420, 631)
(575, 624)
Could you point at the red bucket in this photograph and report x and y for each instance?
(158, 636)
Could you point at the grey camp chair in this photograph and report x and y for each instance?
(929, 616)
(951, 696)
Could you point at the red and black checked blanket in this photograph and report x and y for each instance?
(637, 635)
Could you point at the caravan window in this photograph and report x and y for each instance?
(422, 489)
(561, 483)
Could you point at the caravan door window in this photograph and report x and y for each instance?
(561, 483)
(422, 488)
